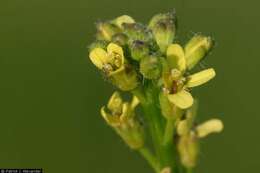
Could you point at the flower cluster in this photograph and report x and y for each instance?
(147, 61)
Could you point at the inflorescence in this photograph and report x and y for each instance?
(147, 61)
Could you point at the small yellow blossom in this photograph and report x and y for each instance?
(121, 116)
(176, 83)
(111, 61)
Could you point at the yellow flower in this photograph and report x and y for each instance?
(176, 84)
(119, 112)
(111, 61)
(121, 116)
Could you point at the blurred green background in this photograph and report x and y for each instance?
(50, 93)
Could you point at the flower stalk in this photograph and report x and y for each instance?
(149, 64)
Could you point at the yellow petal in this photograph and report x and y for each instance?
(115, 103)
(98, 56)
(210, 126)
(201, 77)
(126, 113)
(112, 120)
(114, 48)
(175, 57)
(123, 19)
(135, 102)
(182, 99)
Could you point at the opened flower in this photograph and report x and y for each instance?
(176, 84)
(110, 61)
(113, 63)
(121, 116)
(189, 135)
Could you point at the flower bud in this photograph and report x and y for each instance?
(208, 127)
(119, 21)
(98, 44)
(196, 49)
(139, 50)
(105, 30)
(188, 148)
(163, 27)
(150, 67)
(137, 31)
(120, 39)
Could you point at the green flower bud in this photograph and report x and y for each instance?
(163, 27)
(196, 49)
(139, 49)
(150, 67)
(105, 30)
(120, 39)
(98, 44)
(125, 80)
(137, 31)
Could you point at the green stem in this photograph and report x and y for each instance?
(154, 127)
(148, 97)
(150, 159)
(169, 132)
(189, 170)
(139, 93)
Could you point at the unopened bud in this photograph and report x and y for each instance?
(106, 30)
(137, 31)
(163, 27)
(120, 39)
(139, 50)
(119, 21)
(196, 49)
(98, 44)
(150, 67)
